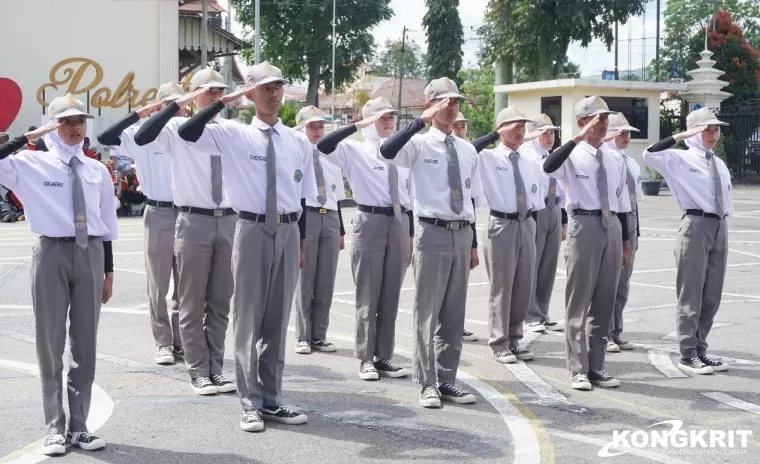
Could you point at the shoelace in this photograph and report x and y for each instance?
(368, 366)
(204, 382)
(385, 364)
(254, 415)
(708, 360)
(697, 362)
(503, 353)
(219, 378)
(430, 391)
(287, 410)
(454, 389)
(55, 440)
(79, 437)
(603, 375)
(165, 350)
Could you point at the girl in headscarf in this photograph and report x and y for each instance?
(701, 186)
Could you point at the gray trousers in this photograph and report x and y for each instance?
(510, 256)
(265, 268)
(701, 255)
(316, 281)
(593, 257)
(203, 247)
(548, 243)
(379, 258)
(441, 271)
(160, 266)
(624, 286)
(67, 279)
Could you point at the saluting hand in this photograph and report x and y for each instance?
(186, 99)
(46, 129)
(147, 110)
(689, 133)
(107, 287)
(586, 129)
(232, 96)
(429, 114)
(531, 135)
(611, 135)
(362, 123)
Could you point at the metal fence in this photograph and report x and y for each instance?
(741, 139)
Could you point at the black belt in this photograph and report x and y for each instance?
(281, 219)
(70, 239)
(590, 212)
(386, 210)
(208, 212)
(450, 225)
(699, 212)
(510, 216)
(314, 209)
(546, 200)
(160, 204)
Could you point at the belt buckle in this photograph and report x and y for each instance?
(218, 213)
(322, 210)
(454, 225)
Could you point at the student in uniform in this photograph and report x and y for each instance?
(70, 203)
(551, 225)
(269, 170)
(382, 248)
(204, 233)
(597, 241)
(324, 240)
(617, 140)
(701, 185)
(512, 188)
(460, 130)
(155, 173)
(444, 169)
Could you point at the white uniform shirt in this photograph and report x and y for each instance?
(41, 181)
(244, 152)
(191, 167)
(368, 175)
(579, 173)
(154, 169)
(498, 177)
(633, 167)
(426, 155)
(689, 177)
(528, 150)
(334, 188)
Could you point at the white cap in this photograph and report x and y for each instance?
(169, 92)
(207, 79)
(308, 115)
(263, 73)
(377, 105)
(442, 88)
(66, 106)
(618, 122)
(460, 118)
(703, 117)
(591, 106)
(541, 122)
(510, 114)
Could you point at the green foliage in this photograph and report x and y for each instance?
(297, 37)
(391, 60)
(445, 38)
(686, 18)
(477, 86)
(288, 112)
(653, 175)
(733, 55)
(536, 34)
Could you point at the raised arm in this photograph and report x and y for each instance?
(659, 154)
(399, 142)
(112, 135)
(482, 142)
(12, 146)
(557, 158)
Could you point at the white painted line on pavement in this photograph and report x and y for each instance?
(101, 408)
(402, 310)
(668, 287)
(745, 253)
(104, 309)
(674, 349)
(548, 395)
(673, 336)
(661, 458)
(661, 361)
(733, 402)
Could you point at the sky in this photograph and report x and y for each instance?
(637, 38)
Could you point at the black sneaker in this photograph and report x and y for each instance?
(85, 441)
(469, 336)
(367, 371)
(388, 369)
(695, 366)
(553, 326)
(203, 386)
(283, 415)
(222, 384)
(55, 445)
(717, 366)
(323, 346)
(179, 352)
(252, 421)
(523, 354)
(430, 397)
(454, 394)
(623, 344)
(536, 326)
(602, 379)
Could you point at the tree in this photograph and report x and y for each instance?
(477, 87)
(686, 18)
(536, 34)
(391, 60)
(445, 38)
(288, 112)
(297, 38)
(733, 55)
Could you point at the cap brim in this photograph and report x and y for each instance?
(213, 85)
(383, 112)
(172, 97)
(72, 112)
(626, 128)
(309, 121)
(510, 121)
(452, 95)
(269, 80)
(710, 122)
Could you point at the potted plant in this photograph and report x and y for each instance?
(651, 186)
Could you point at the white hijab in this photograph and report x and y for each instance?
(695, 141)
(371, 135)
(52, 139)
(535, 147)
(612, 146)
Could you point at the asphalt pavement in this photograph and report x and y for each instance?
(526, 412)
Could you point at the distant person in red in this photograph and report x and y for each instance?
(128, 193)
(15, 211)
(88, 152)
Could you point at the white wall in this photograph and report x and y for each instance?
(121, 36)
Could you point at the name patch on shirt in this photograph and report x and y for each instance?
(695, 170)
(53, 184)
(581, 176)
(258, 158)
(379, 168)
(431, 161)
(501, 168)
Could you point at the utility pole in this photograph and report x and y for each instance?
(657, 47)
(257, 33)
(617, 43)
(204, 34)
(401, 76)
(334, 39)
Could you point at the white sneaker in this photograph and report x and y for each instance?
(469, 336)
(612, 347)
(581, 382)
(55, 445)
(252, 421)
(535, 327)
(303, 347)
(165, 355)
(505, 357)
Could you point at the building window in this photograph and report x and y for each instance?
(552, 107)
(635, 110)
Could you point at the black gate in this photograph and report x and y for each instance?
(741, 140)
